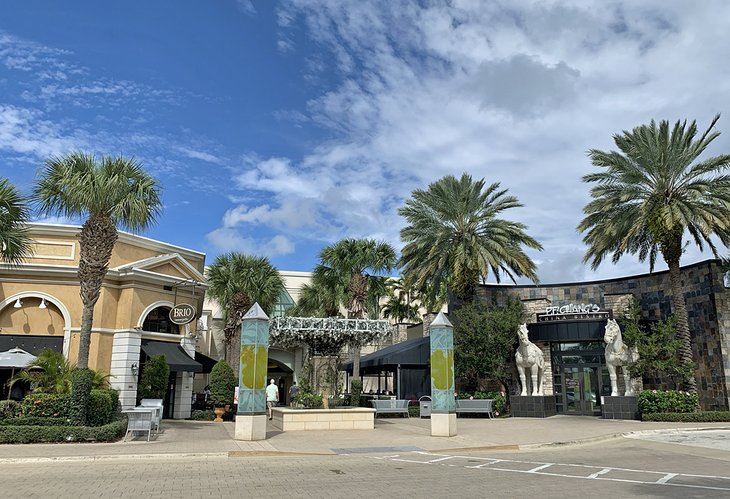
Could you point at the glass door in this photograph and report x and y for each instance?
(581, 390)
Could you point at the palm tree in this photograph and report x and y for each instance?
(454, 237)
(353, 265)
(110, 192)
(50, 372)
(653, 190)
(15, 245)
(398, 305)
(237, 281)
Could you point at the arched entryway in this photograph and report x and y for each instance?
(280, 369)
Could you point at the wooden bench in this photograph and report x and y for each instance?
(476, 406)
(390, 407)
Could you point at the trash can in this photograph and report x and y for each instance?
(425, 406)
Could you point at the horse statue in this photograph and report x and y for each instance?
(529, 356)
(618, 354)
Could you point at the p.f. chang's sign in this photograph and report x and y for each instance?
(572, 311)
(182, 314)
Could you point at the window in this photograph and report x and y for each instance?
(158, 321)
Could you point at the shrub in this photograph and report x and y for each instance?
(99, 408)
(202, 415)
(155, 375)
(9, 409)
(222, 384)
(45, 405)
(653, 401)
(355, 392)
(35, 421)
(19, 434)
(310, 400)
(81, 383)
(414, 410)
(688, 417)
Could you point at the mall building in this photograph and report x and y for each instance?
(40, 308)
(567, 321)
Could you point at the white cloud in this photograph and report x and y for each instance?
(227, 239)
(515, 93)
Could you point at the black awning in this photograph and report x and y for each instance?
(205, 361)
(413, 353)
(31, 344)
(567, 330)
(176, 357)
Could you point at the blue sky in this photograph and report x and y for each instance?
(279, 127)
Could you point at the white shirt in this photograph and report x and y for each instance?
(272, 393)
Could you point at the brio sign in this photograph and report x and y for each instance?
(182, 314)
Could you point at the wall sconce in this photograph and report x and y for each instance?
(18, 303)
(43, 303)
(134, 368)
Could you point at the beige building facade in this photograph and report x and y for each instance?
(40, 307)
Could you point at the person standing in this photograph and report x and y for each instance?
(272, 396)
(293, 393)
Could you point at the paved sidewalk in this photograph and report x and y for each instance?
(181, 439)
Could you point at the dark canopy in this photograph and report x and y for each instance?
(31, 344)
(176, 357)
(410, 353)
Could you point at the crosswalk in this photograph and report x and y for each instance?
(565, 470)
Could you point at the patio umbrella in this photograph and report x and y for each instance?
(15, 357)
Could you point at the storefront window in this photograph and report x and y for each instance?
(158, 321)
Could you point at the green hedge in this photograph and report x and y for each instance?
(654, 401)
(309, 400)
(202, 415)
(9, 409)
(35, 421)
(44, 434)
(81, 382)
(45, 405)
(688, 417)
(100, 408)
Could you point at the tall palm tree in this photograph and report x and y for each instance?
(651, 192)
(353, 265)
(237, 281)
(454, 237)
(15, 245)
(110, 192)
(398, 305)
(321, 298)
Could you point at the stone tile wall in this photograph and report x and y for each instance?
(708, 305)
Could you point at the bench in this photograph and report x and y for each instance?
(390, 407)
(477, 406)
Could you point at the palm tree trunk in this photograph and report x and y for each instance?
(96, 240)
(680, 311)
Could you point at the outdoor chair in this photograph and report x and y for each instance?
(155, 404)
(139, 420)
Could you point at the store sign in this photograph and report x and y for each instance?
(573, 311)
(182, 314)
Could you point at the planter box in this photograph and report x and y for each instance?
(620, 407)
(341, 418)
(532, 407)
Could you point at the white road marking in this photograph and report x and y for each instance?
(598, 472)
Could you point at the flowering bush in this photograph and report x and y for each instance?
(46, 405)
(654, 401)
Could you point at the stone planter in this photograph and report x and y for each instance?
(341, 418)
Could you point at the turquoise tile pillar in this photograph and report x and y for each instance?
(254, 362)
(443, 405)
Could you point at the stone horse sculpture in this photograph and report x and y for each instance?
(529, 356)
(618, 354)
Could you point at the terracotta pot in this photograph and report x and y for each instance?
(219, 412)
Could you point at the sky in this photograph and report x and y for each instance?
(279, 127)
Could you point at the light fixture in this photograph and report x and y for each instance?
(18, 303)
(43, 303)
(134, 368)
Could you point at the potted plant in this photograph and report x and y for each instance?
(222, 387)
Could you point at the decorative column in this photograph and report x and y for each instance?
(443, 415)
(254, 355)
(125, 365)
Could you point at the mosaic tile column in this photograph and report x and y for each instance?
(251, 416)
(443, 417)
